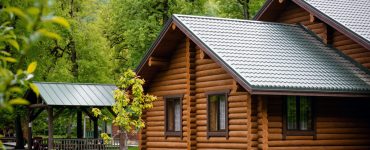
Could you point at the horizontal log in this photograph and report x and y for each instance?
(363, 60)
(168, 87)
(177, 65)
(149, 148)
(294, 15)
(238, 127)
(319, 30)
(213, 78)
(166, 144)
(222, 145)
(342, 124)
(222, 139)
(363, 54)
(351, 46)
(318, 143)
(207, 67)
(210, 72)
(155, 128)
(157, 62)
(316, 26)
(297, 20)
(170, 77)
(238, 116)
(321, 148)
(163, 139)
(343, 130)
(238, 110)
(215, 88)
(343, 42)
(279, 137)
(173, 92)
(203, 61)
(354, 51)
(213, 83)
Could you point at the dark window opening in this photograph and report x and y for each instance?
(299, 116)
(173, 120)
(217, 115)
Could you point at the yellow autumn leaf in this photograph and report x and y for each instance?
(61, 21)
(32, 67)
(14, 43)
(49, 34)
(16, 11)
(10, 59)
(35, 89)
(18, 101)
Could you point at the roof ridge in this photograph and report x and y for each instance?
(73, 83)
(239, 20)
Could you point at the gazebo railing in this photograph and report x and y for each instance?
(78, 144)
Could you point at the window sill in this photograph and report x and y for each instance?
(299, 133)
(173, 134)
(217, 134)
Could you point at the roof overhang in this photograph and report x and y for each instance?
(271, 5)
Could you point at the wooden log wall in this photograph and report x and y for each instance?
(172, 81)
(294, 14)
(191, 74)
(211, 77)
(341, 124)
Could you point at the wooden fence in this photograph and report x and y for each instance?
(78, 144)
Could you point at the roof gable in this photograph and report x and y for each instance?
(349, 17)
(264, 56)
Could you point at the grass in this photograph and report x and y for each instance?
(133, 148)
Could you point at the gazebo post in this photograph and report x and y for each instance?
(79, 124)
(50, 127)
(29, 129)
(96, 132)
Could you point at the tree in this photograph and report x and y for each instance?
(14, 48)
(130, 102)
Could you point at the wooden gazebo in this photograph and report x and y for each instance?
(56, 97)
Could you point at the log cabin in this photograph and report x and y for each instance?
(296, 77)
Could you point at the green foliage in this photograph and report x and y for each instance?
(130, 102)
(21, 28)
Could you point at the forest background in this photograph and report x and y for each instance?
(106, 38)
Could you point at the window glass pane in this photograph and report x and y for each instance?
(213, 113)
(291, 113)
(170, 115)
(177, 115)
(222, 107)
(305, 114)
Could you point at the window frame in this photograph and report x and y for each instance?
(172, 133)
(221, 133)
(290, 132)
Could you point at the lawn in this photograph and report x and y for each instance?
(133, 148)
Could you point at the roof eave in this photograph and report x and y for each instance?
(309, 93)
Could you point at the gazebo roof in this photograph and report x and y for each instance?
(76, 94)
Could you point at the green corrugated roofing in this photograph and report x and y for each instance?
(352, 14)
(76, 94)
(277, 56)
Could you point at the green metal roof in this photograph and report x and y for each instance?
(275, 56)
(76, 94)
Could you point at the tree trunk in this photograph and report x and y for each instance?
(245, 5)
(165, 11)
(19, 133)
(123, 140)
